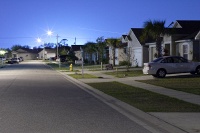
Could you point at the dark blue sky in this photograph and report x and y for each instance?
(22, 21)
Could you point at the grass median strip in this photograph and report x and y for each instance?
(186, 84)
(122, 74)
(144, 100)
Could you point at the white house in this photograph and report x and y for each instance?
(184, 40)
(47, 53)
(27, 54)
(138, 51)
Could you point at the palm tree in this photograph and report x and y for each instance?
(100, 47)
(90, 48)
(113, 43)
(154, 30)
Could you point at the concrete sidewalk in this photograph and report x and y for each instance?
(188, 122)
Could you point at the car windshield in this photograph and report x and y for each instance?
(158, 59)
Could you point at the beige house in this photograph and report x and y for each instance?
(120, 52)
(27, 54)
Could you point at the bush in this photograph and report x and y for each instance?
(124, 63)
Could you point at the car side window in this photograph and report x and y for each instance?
(167, 60)
(179, 60)
(183, 60)
(176, 60)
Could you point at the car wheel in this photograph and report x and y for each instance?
(161, 73)
(198, 70)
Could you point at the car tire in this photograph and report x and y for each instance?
(198, 70)
(161, 73)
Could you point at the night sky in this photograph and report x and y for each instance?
(22, 21)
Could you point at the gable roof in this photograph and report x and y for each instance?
(137, 32)
(124, 36)
(189, 26)
(76, 47)
(26, 50)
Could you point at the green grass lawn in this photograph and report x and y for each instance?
(122, 74)
(143, 99)
(80, 76)
(189, 83)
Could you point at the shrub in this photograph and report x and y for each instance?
(124, 63)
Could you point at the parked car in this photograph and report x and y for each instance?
(2, 58)
(21, 59)
(13, 60)
(169, 65)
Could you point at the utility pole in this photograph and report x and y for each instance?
(75, 41)
(57, 45)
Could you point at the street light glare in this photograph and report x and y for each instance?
(49, 33)
(39, 40)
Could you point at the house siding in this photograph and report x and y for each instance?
(196, 50)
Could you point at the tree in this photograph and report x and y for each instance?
(154, 29)
(100, 48)
(113, 43)
(16, 47)
(90, 48)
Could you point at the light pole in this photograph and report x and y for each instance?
(57, 45)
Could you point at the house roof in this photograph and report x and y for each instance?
(189, 26)
(26, 50)
(137, 32)
(124, 36)
(76, 47)
(50, 50)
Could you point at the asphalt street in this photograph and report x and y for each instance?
(37, 99)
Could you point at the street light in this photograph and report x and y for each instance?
(39, 40)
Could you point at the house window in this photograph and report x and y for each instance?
(185, 51)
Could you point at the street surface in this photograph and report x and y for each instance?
(37, 99)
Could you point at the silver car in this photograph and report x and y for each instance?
(169, 65)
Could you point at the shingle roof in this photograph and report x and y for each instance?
(76, 47)
(190, 26)
(124, 36)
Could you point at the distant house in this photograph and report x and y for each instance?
(27, 54)
(47, 53)
(77, 51)
(120, 52)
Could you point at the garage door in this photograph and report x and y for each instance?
(137, 57)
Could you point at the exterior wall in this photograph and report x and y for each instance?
(121, 55)
(49, 55)
(196, 50)
(188, 51)
(145, 54)
(136, 52)
(152, 51)
(26, 56)
(78, 54)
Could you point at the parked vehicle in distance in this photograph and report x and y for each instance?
(2, 58)
(13, 60)
(170, 65)
(21, 59)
